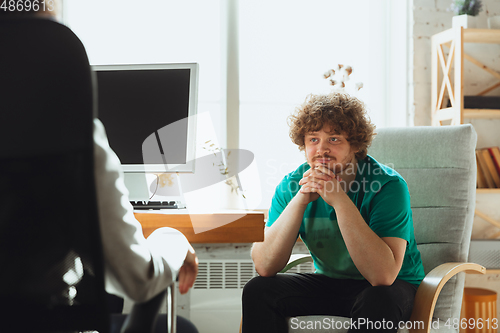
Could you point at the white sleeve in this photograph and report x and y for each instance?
(133, 266)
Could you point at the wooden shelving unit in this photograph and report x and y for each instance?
(445, 88)
(442, 85)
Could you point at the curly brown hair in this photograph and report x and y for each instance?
(346, 114)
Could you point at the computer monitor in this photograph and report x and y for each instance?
(148, 113)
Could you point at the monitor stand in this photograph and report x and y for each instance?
(146, 187)
(137, 186)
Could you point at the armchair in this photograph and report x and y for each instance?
(439, 166)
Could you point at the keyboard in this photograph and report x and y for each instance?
(155, 204)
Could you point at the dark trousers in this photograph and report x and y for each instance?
(268, 301)
(183, 325)
(115, 306)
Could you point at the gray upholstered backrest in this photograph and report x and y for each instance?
(439, 165)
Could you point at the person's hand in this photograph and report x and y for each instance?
(321, 181)
(188, 271)
(310, 186)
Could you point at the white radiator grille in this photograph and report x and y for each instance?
(306, 267)
(216, 296)
(224, 274)
(485, 253)
(233, 274)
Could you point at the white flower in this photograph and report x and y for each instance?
(339, 75)
(329, 73)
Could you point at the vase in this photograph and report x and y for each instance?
(494, 22)
(466, 21)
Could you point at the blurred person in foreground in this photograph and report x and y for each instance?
(135, 267)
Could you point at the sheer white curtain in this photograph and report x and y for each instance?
(283, 48)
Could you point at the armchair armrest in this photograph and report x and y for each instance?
(429, 289)
(296, 259)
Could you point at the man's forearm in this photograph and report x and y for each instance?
(372, 256)
(271, 255)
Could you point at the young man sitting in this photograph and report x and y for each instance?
(354, 216)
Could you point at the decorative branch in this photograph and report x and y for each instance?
(223, 168)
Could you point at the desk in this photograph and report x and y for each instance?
(246, 226)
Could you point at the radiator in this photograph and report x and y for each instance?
(216, 295)
(485, 253)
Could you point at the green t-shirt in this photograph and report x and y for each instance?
(381, 196)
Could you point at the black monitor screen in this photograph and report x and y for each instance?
(135, 103)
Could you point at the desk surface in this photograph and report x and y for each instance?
(220, 227)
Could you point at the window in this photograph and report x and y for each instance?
(153, 31)
(283, 47)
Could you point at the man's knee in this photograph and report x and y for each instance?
(377, 302)
(378, 295)
(256, 287)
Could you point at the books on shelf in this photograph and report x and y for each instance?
(488, 167)
(481, 180)
(495, 154)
